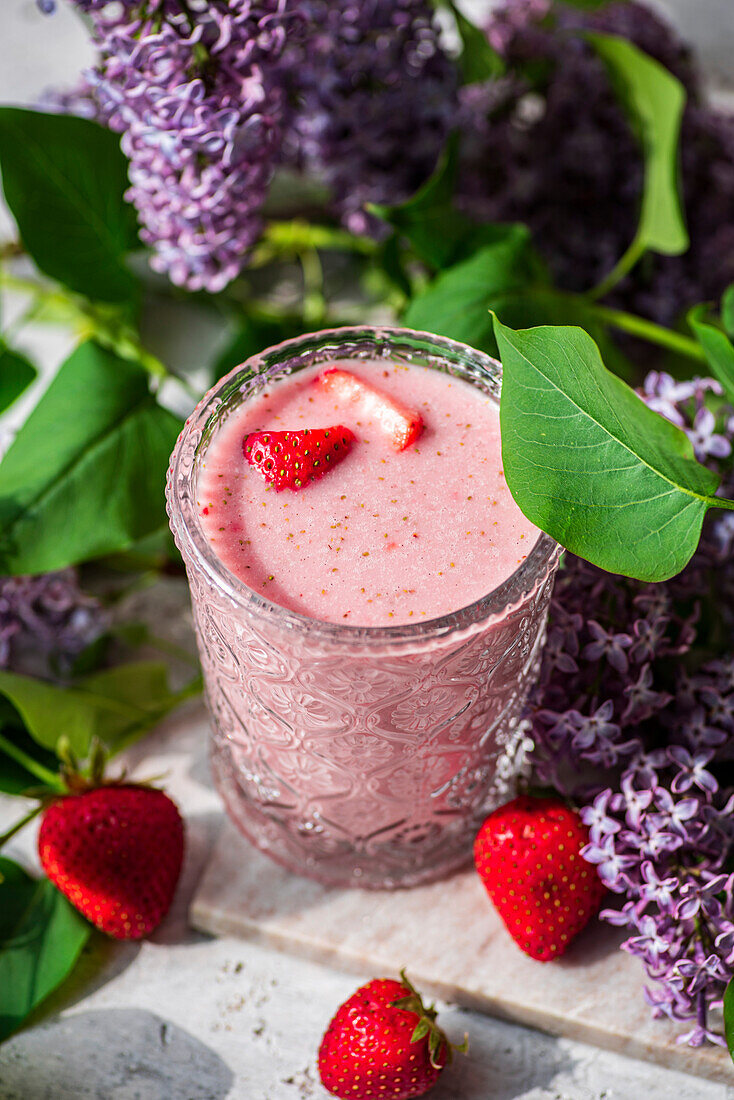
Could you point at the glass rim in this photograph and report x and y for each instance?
(191, 540)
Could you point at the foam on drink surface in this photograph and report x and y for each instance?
(385, 537)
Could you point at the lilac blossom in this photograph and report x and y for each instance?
(45, 622)
(633, 718)
(196, 95)
(374, 97)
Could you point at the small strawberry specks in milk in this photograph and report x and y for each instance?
(373, 542)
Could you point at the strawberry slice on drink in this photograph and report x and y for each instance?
(401, 424)
(290, 460)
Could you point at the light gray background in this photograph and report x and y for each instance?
(182, 1017)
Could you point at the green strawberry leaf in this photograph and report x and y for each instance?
(16, 374)
(421, 1028)
(116, 706)
(654, 100)
(64, 179)
(41, 938)
(85, 474)
(588, 462)
(717, 347)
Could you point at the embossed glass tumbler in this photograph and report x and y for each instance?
(357, 756)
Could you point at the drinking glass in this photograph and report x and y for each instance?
(358, 756)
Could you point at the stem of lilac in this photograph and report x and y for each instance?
(622, 267)
(45, 775)
(296, 235)
(653, 333)
(314, 302)
(92, 325)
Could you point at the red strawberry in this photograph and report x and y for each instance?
(528, 856)
(291, 459)
(403, 425)
(115, 852)
(383, 1043)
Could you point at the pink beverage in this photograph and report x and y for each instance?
(367, 641)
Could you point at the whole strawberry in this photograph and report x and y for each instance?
(383, 1043)
(115, 852)
(528, 855)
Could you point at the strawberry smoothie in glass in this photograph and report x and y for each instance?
(368, 629)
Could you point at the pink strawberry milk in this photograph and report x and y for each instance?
(369, 601)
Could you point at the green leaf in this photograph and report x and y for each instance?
(545, 305)
(64, 180)
(85, 475)
(16, 374)
(15, 777)
(41, 938)
(717, 347)
(729, 1017)
(727, 310)
(428, 219)
(456, 303)
(588, 462)
(654, 100)
(478, 60)
(116, 705)
(438, 232)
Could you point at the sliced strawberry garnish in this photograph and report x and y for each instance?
(291, 459)
(401, 424)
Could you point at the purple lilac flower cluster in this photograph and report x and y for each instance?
(193, 90)
(209, 97)
(376, 96)
(548, 145)
(45, 622)
(634, 719)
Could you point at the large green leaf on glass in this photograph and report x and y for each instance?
(654, 100)
(16, 374)
(41, 938)
(717, 347)
(85, 475)
(588, 462)
(116, 705)
(64, 180)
